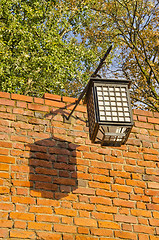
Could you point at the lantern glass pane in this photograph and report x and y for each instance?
(114, 102)
(112, 135)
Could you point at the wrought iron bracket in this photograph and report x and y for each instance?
(94, 75)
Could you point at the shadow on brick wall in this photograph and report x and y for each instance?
(52, 165)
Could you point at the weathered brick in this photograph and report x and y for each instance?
(144, 229)
(7, 102)
(47, 218)
(137, 212)
(53, 97)
(124, 218)
(123, 203)
(125, 235)
(21, 234)
(101, 232)
(111, 225)
(48, 235)
(85, 222)
(38, 107)
(38, 209)
(41, 226)
(4, 95)
(67, 212)
(22, 216)
(64, 228)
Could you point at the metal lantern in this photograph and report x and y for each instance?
(109, 111)
(108, 107)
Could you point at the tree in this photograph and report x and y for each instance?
(132, 25)
(40, 48)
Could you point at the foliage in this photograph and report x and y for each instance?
(40, 48)
(132, 25)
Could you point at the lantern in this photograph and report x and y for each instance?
(109, 111)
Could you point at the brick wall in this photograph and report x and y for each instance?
(55, 184)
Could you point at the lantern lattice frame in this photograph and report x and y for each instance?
(109, 111)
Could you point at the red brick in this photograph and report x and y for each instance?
(151, 157)
(21, 97)
(38, 100)
(47, 218)
(7, 206)
(101, 178)
(6, 159)
(7, 102)
(64, 228)
(4, 167)
(99, 185)
(143, 213)
(6, 223)
(90, 155)
(154, 222)
(125, 235)
(153, 120)
(7, 116)
(102, 216)
(127, 227)
(21, 104)
(144, 229)
(4, 95)
(21, 139)
(48, 202)
(85, 222)
(66, 212)
(123, 203)
(4, 190)
(4, 233)
(144, 125)
(154, 238)
(22, 216)
(153, 206)
(124, 218)
(23, 200)
(100, 200)
(111, 225)
(69, 99)
(143, 237)
(136, 183)
(110, 194)
(38, 209)
(142, 118)
(38, 107)
(121, 188)
(47, 235)
(22, 184)
(87, 191)
(101, 232)
(108, 209)
(153, 185)
(132, 155)
(83, 206)
(83, 230)
(142, 112)
(52, 97)
(55, 103)
(114, 159)
(19, 224)
(41, 226)
(21, 234)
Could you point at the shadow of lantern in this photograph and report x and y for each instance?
(52, 165)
